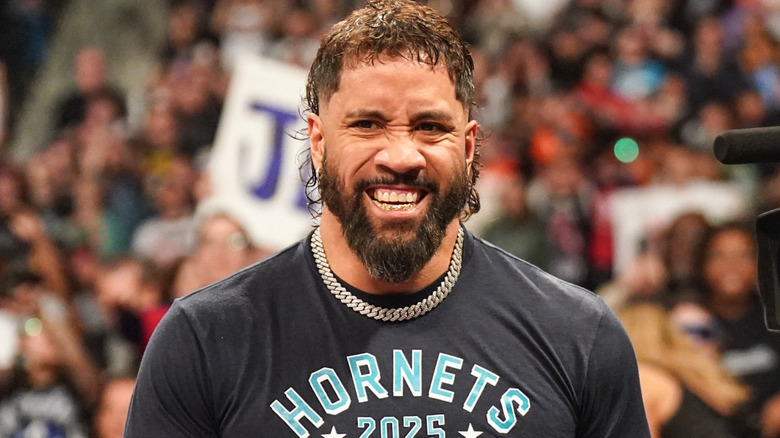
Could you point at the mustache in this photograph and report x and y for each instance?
(428, 184)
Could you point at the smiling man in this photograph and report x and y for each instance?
(390, 319)
(394, 163)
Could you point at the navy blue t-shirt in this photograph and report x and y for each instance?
(270, 352)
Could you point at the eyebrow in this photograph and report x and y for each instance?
(365, 114)
(439, 116)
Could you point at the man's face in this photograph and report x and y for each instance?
(395, 146)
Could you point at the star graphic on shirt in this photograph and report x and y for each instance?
(471, 433)
(334, 434)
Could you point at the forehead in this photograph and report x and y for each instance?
(395, 81)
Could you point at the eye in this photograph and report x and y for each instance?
(430, 127)
(364, 124)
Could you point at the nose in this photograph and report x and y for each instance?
(400, 155)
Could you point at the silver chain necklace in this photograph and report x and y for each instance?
(382, 313)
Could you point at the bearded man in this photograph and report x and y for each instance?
(390, 319)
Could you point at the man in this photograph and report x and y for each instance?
(390, 319)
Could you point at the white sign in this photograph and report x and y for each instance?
(254, 166)
(637, 212)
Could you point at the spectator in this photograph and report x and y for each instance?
(299, 42)
(56, 384)
(223, 247)
(636, 75)
(561, 197)
(197, 108)
(158, 139)
(729, 278)
(111, 413)
(681, 242)
(167, 236)
(758, 60)
(518, 229)
(494, 23)
(243, 27)
(91, 81)
(644, 279)
(186, 28)
(710, 75)
(686, 394)
(23, 239)
(109, 196)
(133, 293)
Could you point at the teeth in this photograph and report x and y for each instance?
(392, 207)
(392, 196)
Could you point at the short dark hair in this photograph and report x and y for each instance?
(400, 29)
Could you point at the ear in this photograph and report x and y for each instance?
(471, 141)
(316, 140)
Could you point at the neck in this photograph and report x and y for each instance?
(347, 265)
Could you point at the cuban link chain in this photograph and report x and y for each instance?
(381, 313)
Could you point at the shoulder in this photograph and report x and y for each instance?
(565, 315)
(271, 275)
(226, 312)
(530, 280)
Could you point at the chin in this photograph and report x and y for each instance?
(393, 230)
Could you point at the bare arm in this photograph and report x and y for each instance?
(661, 395)
(44, 256)
(79, 368)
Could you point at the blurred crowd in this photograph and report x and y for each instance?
(606, 105)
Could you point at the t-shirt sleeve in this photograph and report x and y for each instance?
(172, 397)
(612, 401)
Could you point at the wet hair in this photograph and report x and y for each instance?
(397, 29)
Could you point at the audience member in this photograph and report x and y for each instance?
(517, 229)
(729, 282)
(23, 239)
(168, 236)
(91, 81)
(687, 394)
(243, 27)
(222, 247)
(111, 414)
(680, 246)
(132, 292)
(710, 75)
(55, 384)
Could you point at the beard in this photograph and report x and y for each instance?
(394, 259)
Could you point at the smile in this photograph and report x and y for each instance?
(395, 199)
